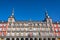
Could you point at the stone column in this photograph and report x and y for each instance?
(14, 38)
(46, 38)
(33, 38)
(51, 38)
(37, 38)
(42, 38)
(28, 38)
(24, 38)
(0, 38)
(19, 38)
(10, 38)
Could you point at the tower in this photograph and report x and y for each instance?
(47, 18)
(48, 21)
(11, 18)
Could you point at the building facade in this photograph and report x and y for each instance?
(29, 30)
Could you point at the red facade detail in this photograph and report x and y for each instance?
(3, 32)
(56, 30)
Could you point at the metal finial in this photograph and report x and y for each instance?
(13, 11)
(46, 11)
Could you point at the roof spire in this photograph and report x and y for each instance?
(13, 12)
(46, 13)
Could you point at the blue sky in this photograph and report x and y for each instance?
(30, 9)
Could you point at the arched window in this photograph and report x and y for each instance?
(26, 38)
(12, 38)
(48, 38)
(53, 38)
(7, 38)
(22, 38)
(17, 38)
(40, 38)
(44, 39)
(35, 39)
(31, 38)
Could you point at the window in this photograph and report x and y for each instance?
(48, 38)
(43, 29)
(26, 38)
(0, 24)
(16, 24)
(48, 25)
(38, 29)
(25, 24)
(4, 25)
(22, 34)
(47, 29)
(7, 38)
(44, 25)
(11, 20)
(26, 29)
(44, 39)
(59, 29)
(17, 38)
(34, 34)
(22, 38)
(8, 34)
(54, 25)
(12, 38)
(0, 29)
(34, 29)
(9, 29)
(17, 34)
(20, 24)
(12, 24)
(40, 24)
(40, 38)
(58, 25)
(22, 29)
(36, 24)
(31, 38)
(13, 29)
(12, 34)
(47, 34)
(53, 38)
(42, 33)
(35, 38)
(18, 29)
(26, 34)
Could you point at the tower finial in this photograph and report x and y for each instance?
(13, 12)
(46, 13)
